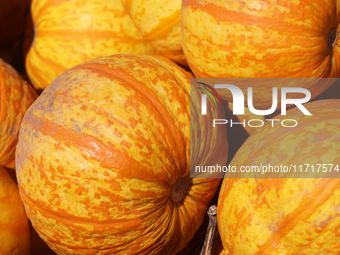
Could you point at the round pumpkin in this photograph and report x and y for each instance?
(286, 215)
(16, 97)
(15, 232)
(159, 22)
(68, 33)
(103, 160)
(259, 39)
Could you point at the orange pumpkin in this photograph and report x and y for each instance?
(68, 33)
(15, 232)
(159, 22)
(286, 215)
(260, 39)
(103, 160)
(16, 96)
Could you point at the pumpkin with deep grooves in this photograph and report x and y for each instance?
(262, 39)
(65, 38)
(103, 160)
(159, 22)
(16, 96)
(286, 215)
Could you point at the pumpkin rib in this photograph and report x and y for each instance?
(16, 95)
(164, 27)
(221, 14)
(64, 39)
(62, 214)
(171, 67)
(324, 190)
(185, 209)
(159, 23)
(122, 75)
(85, 141)
(199, 183)
(165, 219)
(44, 60)
(83, 34)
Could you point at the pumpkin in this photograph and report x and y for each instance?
(103, 160)
(286, 215)
(259, 39)
(15, 232)
(159, 22)
(16, 97)
(68, 33)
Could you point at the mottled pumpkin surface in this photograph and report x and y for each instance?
(159, 22)
(103, 154)
(16, 95)
(68, 33)
(262, 39)
(286, 215)
(15, 232)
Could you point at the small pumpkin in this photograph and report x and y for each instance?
(68, 33)
(15, 232)
(259, 39)
(103, 160)
(159, 22)
(286, 215)
(16, 97)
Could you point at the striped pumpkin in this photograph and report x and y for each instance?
(159, 22)
(253, 39)
(103, 161)
(68, 33)
(16, 95)
(286, 215)
(15, 232)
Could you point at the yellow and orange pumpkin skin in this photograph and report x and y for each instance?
(103, 154)
(68, 33)
(15, 231)
(16, 96)
(159, 22)
(260, 39)
(285, 215)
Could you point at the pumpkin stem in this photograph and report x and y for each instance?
(211, 231)
(332, 37)
(179, 190)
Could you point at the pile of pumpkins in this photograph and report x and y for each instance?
(96, 157)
